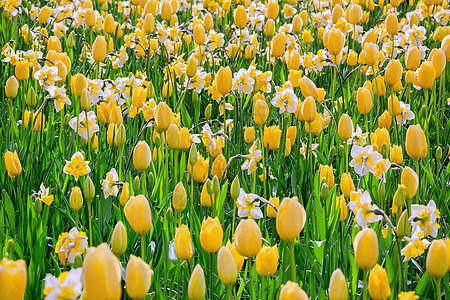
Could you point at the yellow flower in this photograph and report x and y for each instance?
(70, 244)
(378, 284)
(77, 166)
(267, 261)
(407, 296)
(13, 278)
(211, 235)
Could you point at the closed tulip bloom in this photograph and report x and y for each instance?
(191, 67)
(354, 14)
(12, 164)
(445, 47)
(293, 60)
(379, 284)
(248, 238)
(426, 75)
(352, 58)
(267, 261)
(309, 110)
(141, 156)
(385, 120)
(297, 24)
(240, 17)
(336, 41)
(371, 53)
(393, 72)
(342, 206)
(326, 172)
(149, 23)
(238, 258)
(364, 100)
(138, 278)
(412, 58)
(278, 44)
(224, 80)
(199, 34)
(54, 44)
(200, 169)
(218, 167)
(125, 195)
(163, 116)
(379, 86)
(226, 266)
(379, 137)
(119, 239)
(197, 284)
(436, 259)
(347, 185)
(260, 112)
(396, 154)
(179, 197)
(173, 137)
(391, 23)
(291, 218)
(272, 10)
(138, 214)
(410, 179)
(271, 212)
(99, 49)
(447, 243)
(102, 274)
(211, 235)
(337, 13)
(249, 134)
(76, 198)
(437, 57)
(77, 84)
(338, 286)
(345, 127)
(269, 29)
(185, 139)
(21, 71)
(308, 88)
(11, 87)
(90, 18)
(13, 278)
(183, 243)
(271, 138)
(365, 246)
(108, 24)
(416, 142)
(291, 291)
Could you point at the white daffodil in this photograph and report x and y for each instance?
(252, 159)
(358, 138)
(286, 100)
(361, 205)
(67, 286)
(405, 115)
(248, 206)
(47, 76)
(364, 159)
(86, 127)
(423, 219)
(59, 96)
(243, 82)
(110, 187)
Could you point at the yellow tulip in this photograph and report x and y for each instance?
(77, 84)
(13, 278)
(199, 34)
(326, 172)
(291, 218)
(240, 17)
(371, 53)
(342, 206)
(272, 10)
(183, 243)
(309, 110)
(197, 284)
(119, 239)
(249, 134)
(391, 23)
(102, 274)
(125, 195)
(297, 24)
(365, 246)
(293, 60)
(149, 23)
(191, 67)
(445, 47)
(138, 278)
(416, 142)
(12, 164)
(385, 120)
(44, 14)
(412, 58)
(354, 14)
(226, 266)
(11, 87)
(260, 112)
(185, 139)
(208, 22)
(347, 185)
(237, 257)
(337, 13)
(179, 197)
(379, 284)
(211, 235)
(338, 286)
(108, 24)
(218, 167)
(335, 42)
(173, 137)
(426, 75)
(271, 212)
(267, 261)
(163, 116)
(345, 127)
(141, 156)
(138, 214)
(291, 291)
(22, 72)
(200, 169)
(90, 18)
(99, 49)
(308, 88)
(396, 154)
(393, 72)
(271, 138)
(224, 80)
(352, 58)
(380, 137)
(76, 198)
(379, 86)
(410, 179)
(269, 29)
(248, 238)
(437, 57)
(278, 44)
(316, 125)
(364, 100)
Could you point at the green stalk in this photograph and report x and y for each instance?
(402, 278)
(143, 246)
(346, 156)
(263, 158)
(310, 153)
(293, 267)
(282, 145)
(143, 183)
(364, 291)
(438, 289)
(435, 114)
(252, 293)
(229, 287)
(90, 222)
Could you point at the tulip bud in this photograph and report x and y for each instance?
(345, 127)
(240, 17)
(364, 100)
(269, 29)
(437, 57)
(193, 156)
(403, 227)
(365, 245)
(141, 156)
(85, 101)
(260, 112)
(108, 24)
(197, 284)
(291, 218)
(248, 238)
(179, 198)
(211, 235)
(138, 214)
(11, 87)
(412, 58)
(291, 290)
(100, 260)
(400, 195)
(347, 185)
(191, 67)
(136, 185)
(183, 243)
(416, 142)
(333, 152)
(76, 198)
(235, 188)
(393, 71)
(391, 23)
(44, 14)
(379, 283)
(226, 266)
(224, 80)
(125, 195)
(436, 254)
(297, 24)
(13, 278)
(324, 191)
(138, 278)
(438, 153)
(336, 40)
(199, 34)
(71, 40)
(208, 111)
(309, 110)
(410, 179)
(119, 239)
(31, 98)
(215, 185)
(338, 286)
(99, 49)
(341, 151)
(37, 205)
(149, 23)
(426, 75)
(278, 45)
(173, 137)
(354, 14)
(371, 53)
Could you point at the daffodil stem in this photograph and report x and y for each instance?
(143, 246)
(364, 291)
(91, 242)
(438, 289)
(293, 268)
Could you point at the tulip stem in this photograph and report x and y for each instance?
(293, 267)
(364, 291)
(91, 242)
(252, 294)
(263, 161)
(211, 293)
(229, 288)
(438, 289)
(403, 282)
(310, 153)
(435, 114)
(143, 246)
(346, 155)
(143, 183)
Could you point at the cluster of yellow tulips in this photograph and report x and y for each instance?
(187, 149)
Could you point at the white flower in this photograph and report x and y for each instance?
(47, 76)
(109, 184)
(405, 115)
(67, 286)
(86, 127)
(358, 138)
(423, 220)
(243, 82)
(362, 207)
(286, 100)
(252, 158)
(60, 97)
(76, 245)
(248, 206)
(364, 159)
